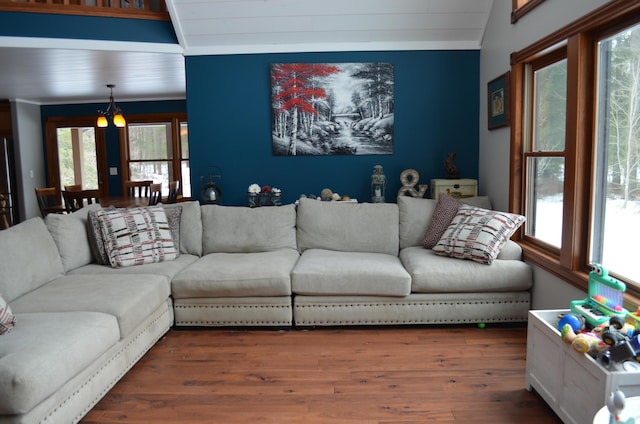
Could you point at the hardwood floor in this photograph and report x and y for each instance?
(328, 375)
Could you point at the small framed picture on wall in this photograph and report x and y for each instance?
(498, 101)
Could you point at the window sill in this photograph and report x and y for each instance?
(578, 279)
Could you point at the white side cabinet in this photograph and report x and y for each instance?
(455, 188)
(573, 384)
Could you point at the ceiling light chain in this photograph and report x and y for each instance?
(112, 111)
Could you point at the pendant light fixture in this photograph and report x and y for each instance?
(112, 111)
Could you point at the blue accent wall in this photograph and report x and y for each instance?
(229, 113)
(112, 137)
(18, 24)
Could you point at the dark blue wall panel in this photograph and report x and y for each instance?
(229, 112)
(17, 24)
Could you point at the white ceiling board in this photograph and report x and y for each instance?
(251, 26)
(53, 71)
(49, 76)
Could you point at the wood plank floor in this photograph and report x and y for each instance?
(328, 375)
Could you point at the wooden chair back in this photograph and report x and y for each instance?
(73, 187)
(74, 200)
(174, 188)
(49, 201)
(137, 188)
(155, 194)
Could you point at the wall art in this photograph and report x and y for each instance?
(498, 101)
(332, 108)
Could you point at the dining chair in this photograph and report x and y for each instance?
(155, 194)
(174, 187)
(73, 187)
(137, 188)
(74, 200)
(49, 201)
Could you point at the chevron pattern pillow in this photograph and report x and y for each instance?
(446, 209)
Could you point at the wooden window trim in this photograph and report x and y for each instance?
(570, 264)
(174, 119)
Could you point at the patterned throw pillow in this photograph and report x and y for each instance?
(173, 218)
(477, 234)
(94, 233)
(446, 209)
(136, 236)
(7, 320)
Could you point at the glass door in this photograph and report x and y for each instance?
(76, 155)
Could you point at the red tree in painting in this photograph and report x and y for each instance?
(295, 93)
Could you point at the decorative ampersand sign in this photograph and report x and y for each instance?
(409, 179)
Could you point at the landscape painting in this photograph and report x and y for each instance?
(332, 108)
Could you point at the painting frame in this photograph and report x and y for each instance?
(498, 101)
(332, 108)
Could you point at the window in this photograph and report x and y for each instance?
(76, 154)
(616, 200)
(575, 170)
(157, 148)
(545, 149)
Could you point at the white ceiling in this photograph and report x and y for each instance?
(49, 71)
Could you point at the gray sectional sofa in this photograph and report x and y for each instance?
(80, 325)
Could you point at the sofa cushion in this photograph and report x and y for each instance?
(7, 319)
(477, 234)
(167, 268)
(327, 272)
(136, 236)
(445, 211)
(69, 231)
(348, 227)
(431, 273)
(415, 215)
(237, 275)
(238, 229)
(190, 226)
(45, 351)
(29, 258)
(130, 298)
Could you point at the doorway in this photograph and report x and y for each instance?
(76, 154)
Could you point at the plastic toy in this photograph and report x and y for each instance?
(615, 405)
(584, 342)
(605, 298)
(574, 320)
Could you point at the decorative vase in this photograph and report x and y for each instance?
(276, 199)
(253, 200)
(265, 199)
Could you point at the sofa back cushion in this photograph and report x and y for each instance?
(71, 236)
(239, 229)
(416, 214)
(350, 227)
(190, 227)
(29, 258)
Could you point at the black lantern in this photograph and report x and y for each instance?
(210, 192)
(378, 185)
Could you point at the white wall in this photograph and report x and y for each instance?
(502, 38)
(30, 161)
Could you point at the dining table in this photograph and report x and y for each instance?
(124, 201)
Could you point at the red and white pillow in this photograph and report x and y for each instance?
(7, 319)
(136, 236)
(477, 234)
